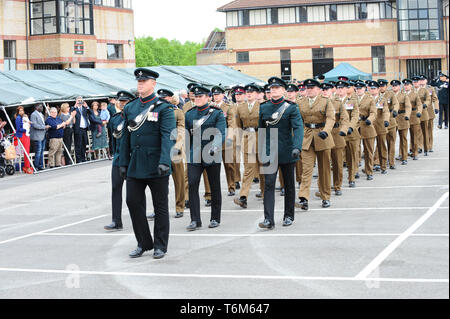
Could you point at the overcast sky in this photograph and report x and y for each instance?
(178, 19)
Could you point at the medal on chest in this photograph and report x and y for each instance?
(349, 107)
(152, 117)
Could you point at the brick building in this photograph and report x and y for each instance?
(304, 38)
(59, 34)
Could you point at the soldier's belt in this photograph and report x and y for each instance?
(313, 126)
(251, 129)
(363, 118)
(401, 112)
(414, 108)
(390, 111)
(336, 125)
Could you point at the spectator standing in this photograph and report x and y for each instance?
(24, 139)
(2, 128)
(442, 86)
(184, 97)
(37, 136)
(80, 128)
(55, 128)
(69, 119)
(98, 129)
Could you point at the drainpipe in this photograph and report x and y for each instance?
(26, 34)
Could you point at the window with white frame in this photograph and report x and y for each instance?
(286, 15)
(346, 12)
(316, 14)
(373, 11)
(232, 19)
(258, 17)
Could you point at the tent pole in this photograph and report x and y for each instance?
(18, 140)
(65, 147)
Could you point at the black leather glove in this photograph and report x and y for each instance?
(163, 169)
(123, 172)
(386, 124)
(295, 153)
(350, 131)
(406, 118)
(436, 111)
(368, 122)
(213, 151)
(394, 114)
(341, 133)
(323, 135)
(228, 142)
(177, 151)
(419, 115)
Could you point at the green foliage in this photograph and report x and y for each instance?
(154, 52)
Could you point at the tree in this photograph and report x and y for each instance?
(154, 52)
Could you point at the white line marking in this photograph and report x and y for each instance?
(399, 240)
(260, 277)
(370, 187)
(242, 235)
(52, 229)
(323, 209)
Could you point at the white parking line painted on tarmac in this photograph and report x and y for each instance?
(242, 235)
(221, 276)
(52, 229)
(324, 209)
(399, 240)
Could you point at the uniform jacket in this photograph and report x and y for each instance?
(434, 102)
(383, 115)
(180, 138)
(321, 111)
(416, 107)
(367, 111)
(143, 150)
(114, 122)
(188, 106)
(215, 121)
(442, 92)
(425, 98)
(404, 111)
(246, 119)
(290, 130)
(392, 103)
(352, 107)
(230, 115)
(342, 121)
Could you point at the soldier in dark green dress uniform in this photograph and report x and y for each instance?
(207, 130)
(283, 115)
(116, 125)
(145, 160)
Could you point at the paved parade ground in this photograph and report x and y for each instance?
(388, 238)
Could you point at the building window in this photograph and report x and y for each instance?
(115, 51)
(9, 52)
(373, 11)
(316, 14)
(61, 16)
(244, 17)
(286, 15)
(258, 17)
(303, 15)
(346, 12)
(418, 20)
(378, 59)
(272, 16)
(51, 66)
(242, 57)
(332, 12)
(325, 53)
(361, 11)
(127, 4)
(232, 19)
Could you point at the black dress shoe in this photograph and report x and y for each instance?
(193, 226)
(238, 186)
(420, 151)
(138, 252)
(326, 203)
(214, 224)
(352, 184)
(357, 176)
(186, 203)
(259, 195)
(404, 162)
(158, 254)
(338, 193)
(303, 204)
(278, 189)
(231, 193)
(370, 177)
(241, 202)
(288, 221)
(430, 151)
(151, 216)
(384, 172)
(316, 176)
(398, 158)
(425, 154)
(266, 224)
(113, 227)
(391, 167)
(377, 168)
(256, 180)
(282, 192)
(179, 214)
(208, 203)
(415, 158)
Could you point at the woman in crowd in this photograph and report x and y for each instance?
(98, 129)
(69, 119)
(55, 128)
(21, 134)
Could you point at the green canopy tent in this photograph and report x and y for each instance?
(345, 69)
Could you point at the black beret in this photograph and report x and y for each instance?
(341, 84)
(321, 77)
(251, 88)
(383, 82)
(190, 86)
(165, 93)
(292, 88)
(395, 82)
(125, 96)
(407, 81)
(217, 90)
(359, 84)
(415, 78)
(200, 90)
(373, 84)
(267, 88)
(311, 83)
(326, 86)
(275, 81)
(143, 74)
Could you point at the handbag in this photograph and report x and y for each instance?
(10, 153)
